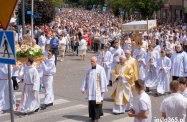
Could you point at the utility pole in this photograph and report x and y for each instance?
(23, 17)
(32, 19)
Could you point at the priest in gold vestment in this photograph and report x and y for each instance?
(121, 93)
(134, 64)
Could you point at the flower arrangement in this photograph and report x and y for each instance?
(26, 51)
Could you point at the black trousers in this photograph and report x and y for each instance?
(76, 49)
(56, 54)
(102, 46)
(175, 77)
(95, 47)
(95, 110)
(185, 48)
(15, 83)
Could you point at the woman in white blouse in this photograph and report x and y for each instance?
(82, 47)
(62, 47)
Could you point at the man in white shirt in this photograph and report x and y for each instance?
(183, 86)
(175, 105)
(143, 110)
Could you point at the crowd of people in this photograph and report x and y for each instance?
(157, 61)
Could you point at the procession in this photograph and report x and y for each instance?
(126, 62)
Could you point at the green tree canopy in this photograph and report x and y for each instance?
(125, 5)
(58, 3)
(44, 12)
(148, 7)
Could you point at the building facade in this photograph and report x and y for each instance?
(172, 11)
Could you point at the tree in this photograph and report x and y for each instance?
(125, 5)
(58, 3)
(147, 7)
(44, 12)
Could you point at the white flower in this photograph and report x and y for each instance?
(31, 52)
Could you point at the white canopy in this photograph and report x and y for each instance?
(138, 25)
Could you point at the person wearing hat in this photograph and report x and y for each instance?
(105, 59)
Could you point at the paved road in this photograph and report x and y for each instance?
(70, 105)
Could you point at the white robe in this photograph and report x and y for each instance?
(4, 88)
(164, 76)
(118, 51)
(151, 71)
(179, 64)
(89, 83)
(140, 54)
(49, 69)
(41, 42)
(30, 100)
(108, 58)
(114, 51)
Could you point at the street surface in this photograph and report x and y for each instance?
(70, 104)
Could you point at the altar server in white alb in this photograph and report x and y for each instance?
(94, 86)
(179, 63)
(139, 54)
(30, 101)
(105, 59)
(49, 69)
(117, 52)
(151, 67)
(164, 73)
(4, 89)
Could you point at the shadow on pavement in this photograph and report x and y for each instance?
(77, 118)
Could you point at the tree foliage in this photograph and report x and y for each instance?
(148, 7)
(58, 3)
(44, 12)
(145, 7)
(125, 5)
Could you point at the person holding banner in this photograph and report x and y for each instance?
(95, 85)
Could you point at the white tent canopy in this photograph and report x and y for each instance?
(139, 25)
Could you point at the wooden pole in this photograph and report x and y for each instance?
(155, 20)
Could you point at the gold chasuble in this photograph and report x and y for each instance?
(121, 88)
(136, 73)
